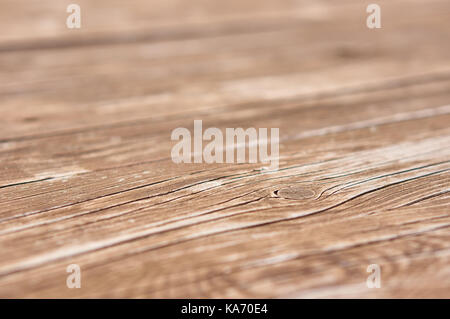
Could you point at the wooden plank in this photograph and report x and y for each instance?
(87, 176)
(116, 20)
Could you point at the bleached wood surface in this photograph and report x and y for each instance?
(86, 175)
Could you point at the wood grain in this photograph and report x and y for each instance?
(87, 178)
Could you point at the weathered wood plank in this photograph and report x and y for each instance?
(87, 177)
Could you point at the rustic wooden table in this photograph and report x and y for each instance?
(87, 177)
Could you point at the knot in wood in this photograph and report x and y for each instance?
(296, 192)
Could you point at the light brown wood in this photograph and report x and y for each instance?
(87, 176)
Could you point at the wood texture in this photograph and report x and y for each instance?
(87, 178)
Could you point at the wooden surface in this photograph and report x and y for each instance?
(86, 175)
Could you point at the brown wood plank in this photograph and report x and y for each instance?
(87, 176)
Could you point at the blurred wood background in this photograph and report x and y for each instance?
(86, 176)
